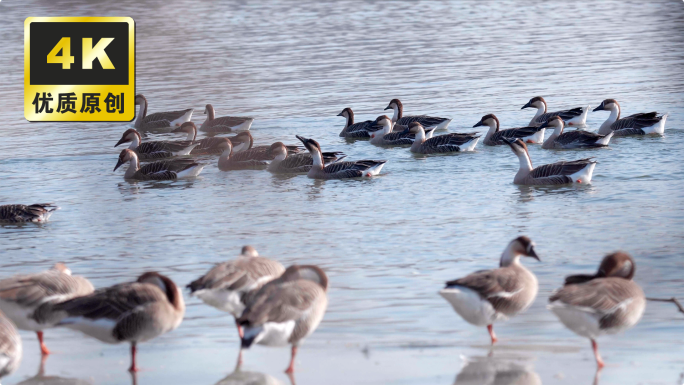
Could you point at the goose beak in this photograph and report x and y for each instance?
(122, 140)
(532, 253)
(478, 124)
(599, 108)
(340, 114)
(301, 138)
(526, 106)
(388, 108)
(118, 164)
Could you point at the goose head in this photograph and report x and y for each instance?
(385, 123)
(242, 141)
(394, 104)
(189, 128)
(414, 128)
(208, 108)
(518, 147)
(618, 264)
(249, 251)
(347, 113)
(521, 246)
(489, 120)
(278, 151)
(310, 144)
(128, 136)
(166, 285)
(140, 99)
(608, 105)
(556, 123)
(536, 102)
(226, 146)
(125, 156)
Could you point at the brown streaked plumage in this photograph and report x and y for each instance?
(573, 117)
(560, 139)
(442, 144)
(171, 169)
(159, 119)
(225, 123)
(206, 146)
(25, 297)
(155, 149)
(427, 121)
(243, 160)
(496, 137)
(355, 130)
(637, 124)
(283, 163)
(37, 212)
(10, 347)
(338, 170)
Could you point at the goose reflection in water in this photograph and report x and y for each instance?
(42, 379)
(239, 377)
(496, 371)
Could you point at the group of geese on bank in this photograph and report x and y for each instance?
(274, 306)
(238, 152)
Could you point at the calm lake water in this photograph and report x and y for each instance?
(389, 243)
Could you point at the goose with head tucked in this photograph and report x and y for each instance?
(572, 117)
(160, 170)
(385, 137)
(495, 136)
(488, 296)
(243, 160)
(607, 302)
(427, 121)
(37, 212)
(225, 285)
(155, 149)
(25, 295)
(339, 170)
(572, 139)
(355, 130)
(284, 163)
(649, 123)
(576, 171)
(10, 347)
(245, 141)
(442, 144)
(225, 123)
(206, 146)
(131, 312)
(286, 310)
(159, 119)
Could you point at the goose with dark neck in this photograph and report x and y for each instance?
(159, 119)
(426, 121)
(355, 130)
(495, 136)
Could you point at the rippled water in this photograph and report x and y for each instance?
(389, 243)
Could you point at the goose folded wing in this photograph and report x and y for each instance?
(228, 121)
(281, 303)
(560, 168)
(360, 126)
(260, 153)
(578, 137)
(168, 116)
(23, 212)
(298, 160)
(639, 121)
(424, 120)
(492, 285)
(33, 290)
(565, 114)
(156, 124)
(513, 133)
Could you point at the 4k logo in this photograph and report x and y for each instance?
(79, 69)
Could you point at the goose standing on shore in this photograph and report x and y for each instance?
(385, 136)
(573, 117)
(225, 285)
(488, 296)
(608, 302)
(427, 121)
(576, 171)
(129, 312)
(495, 137)
(159, 119)
(37, 212)
(286, 310)
(224, 123)
(354, 130)
(10, 347)
(23, 296)
(649, 123)
(206, 146)
(454, 142)
(155, 149)
(572, 139)
(339, 170)
(243, 160)
(283, 163)
(160, 170)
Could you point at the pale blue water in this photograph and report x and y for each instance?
(388, 244)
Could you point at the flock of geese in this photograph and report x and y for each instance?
(277, 306)
(417, 132)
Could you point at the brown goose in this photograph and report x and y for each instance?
(129, 312)
(155, 149)
(224, 123)
(226, 283)
(245, 141)
(573, 117)
(243, 160)
(607, 302)
(427, 121)
(24, 296)
(495, 137)
(283, 163)
(159, 119)
(489, 296)
(37, 212)
(638, 124)
(576, 171)
(10, 347)
(572, 139)
(355, 130)
(286, 310)
(206, 146)
(160, 170)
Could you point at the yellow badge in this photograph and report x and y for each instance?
(79, 69)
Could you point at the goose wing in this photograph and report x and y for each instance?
(208, 146)
(156, 124)
(564, 114)
(351, 169)
(426, 121)
(166, 170)
(24, 213)
(228, 121)
(254, 153)
(360, 126)
(238, 275)
(561, 168)
(281, 302)
(580, 138)
(48, 286)
(399, 138)
(494, 286)
(167, 116)
(162, 147)
(514, 133)
(636, 121)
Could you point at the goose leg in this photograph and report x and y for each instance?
(241, 333)
(43, 349)
(490, 329)
(134, 367)
(290, 369)
(599, 360)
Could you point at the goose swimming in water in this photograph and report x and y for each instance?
(224, 123)
(454, 142)
(37, 212)
(488, 296)
(427, 121)
(572, 139)
(225, 285)
(607, 302)
(286, 310)
(576, 171)
(244, 160)
(385, 136)
(131, 312)
(339, 170)
(10, 347)
(283, 163)
(495, 137)
(573, 117)
(354, 130)
(23, 296)
(244, 141)
(160, 170)
(155, 149)
(649, 123)
(159, 119)
(206, 146)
